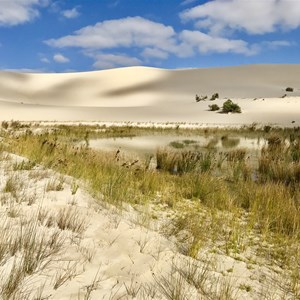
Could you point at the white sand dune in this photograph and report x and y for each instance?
(148, 94)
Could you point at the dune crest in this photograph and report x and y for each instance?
(149, 94)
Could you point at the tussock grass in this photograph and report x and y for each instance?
(70, 219)
(30, 249)
(65, 274)
(272, 206)
(11, 185)
(55, 185)
(214, 196)
(197, 281)
(184, 161)
(279, 161)
(24, 165)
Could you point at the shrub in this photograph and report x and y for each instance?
(214, 107)
(214, 97)
(4, 124)
(289, 89)
(200, 98)
(267, 128)
(15, 124)
(229, 106)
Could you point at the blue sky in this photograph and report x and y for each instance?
(84, 35)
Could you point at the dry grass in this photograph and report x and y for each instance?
(213, 196)
(70, 219)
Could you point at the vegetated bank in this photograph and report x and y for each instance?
(222, 203)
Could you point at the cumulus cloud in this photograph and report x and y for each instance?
(156, 40)
(108, 61)
(152, 40)
(253, 17)
(71, 13)
(14, 12)
(154, 52)
(127, 32)
(59, 58)
(205, 43)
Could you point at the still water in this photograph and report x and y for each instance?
(148, 144)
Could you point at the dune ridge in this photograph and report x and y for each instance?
(149, 94)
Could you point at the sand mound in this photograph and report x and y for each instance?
(148, 94)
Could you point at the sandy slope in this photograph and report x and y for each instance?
(114, 257)
(148, 94)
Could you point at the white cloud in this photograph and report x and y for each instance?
(14, 12)
(153, 40)
(26, 70)
(59, 58)
(187, 2)
(205, 43)
(154, 52)
(254, 17)
(278, 44)
(114, 4)
(108, 61)
(71, 13)
(45, 60)
(127, 32)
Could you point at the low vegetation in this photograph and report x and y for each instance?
(230, 107)
(203, 98)
(214, 107)
(200, 98)
(218, 201)
(214, 96)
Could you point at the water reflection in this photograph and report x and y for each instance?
(149, 144)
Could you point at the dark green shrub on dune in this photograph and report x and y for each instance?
(230, 107)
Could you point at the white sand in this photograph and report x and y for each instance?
(146, 94)
(120, 254)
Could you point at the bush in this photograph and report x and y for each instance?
(214, 107)
(15, 124)
(4, 124)
(200, 98)
(214, 97)
(289, 89)
(229, 106)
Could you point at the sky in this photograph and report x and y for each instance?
(86, 35)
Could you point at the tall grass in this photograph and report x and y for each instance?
(184, 161)
(220, 184)
(279, 161)
(111, 181)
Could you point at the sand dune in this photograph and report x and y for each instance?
(104, 252)
(148, 94)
